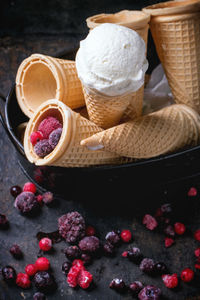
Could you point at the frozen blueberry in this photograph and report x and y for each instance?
(16, 251)
(3, 222)
(26, 202)
(15, 190)
(134, 254)
(44, 281)
(48, 125)
(160, 268)
(89, 244)
(47, 198)
(39, 296)
(118, 285)
(72, 252)
(66, 267)
(109, 249)
(42, 148)
(147, 265)
(9, 274)
(136, 287)
(54, 137)
(72, 227)
(113, 237)
(150, 292)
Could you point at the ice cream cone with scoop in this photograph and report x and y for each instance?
(160, 132)
(111, 64)
(55, 115)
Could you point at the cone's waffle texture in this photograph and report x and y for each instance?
(158, 133)
(68, 152)
(41, 77)
(177, 40)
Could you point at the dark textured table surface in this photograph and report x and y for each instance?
(118, 212)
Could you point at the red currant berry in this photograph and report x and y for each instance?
(23, 281)
(29, 187)
(168, 242)
(40, 199)
(45, 244)
(42, 264)
(197, 252)
(170, 281)
(125, 254)
(197, 235)
(187, 275)
(36, 137)
(90, 231)
(179, 228)
(30, 269)
(192, 192)
(126, 235)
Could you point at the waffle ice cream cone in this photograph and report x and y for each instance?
(160, 132)
(138, 21)
(175, 27)
(68, 152)
(41, 77)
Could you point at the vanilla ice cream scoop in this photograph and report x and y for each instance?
(112, 60)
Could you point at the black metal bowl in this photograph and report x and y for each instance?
(156, 171)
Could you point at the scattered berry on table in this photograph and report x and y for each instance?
(89, 244)
(72, 252)
(160, 268)
(125, 254)
(45, 244)
(192, 192)
(150, 292)
(84, 279)
(147, 265)
(15, 190)
(187, 275)
(44, 281)
(126, 236)
(150, 222)
(72, 276)
(197, 235)
(23, 280)
(39, 199)
(169, 242)
(179, 228)
(90, 230)
(108, 249)
(3, 221)
(30, 269)
(48, 125)
(26, 202)
(16, 251)
(39, 296)
(66, 267)
(78, 263)
(29, 187)
(113, 237)
(197, 252)
(42, 264)
(9, 274)
(134, 254)
(135, 287)
(169, 231)
(197, 266)
(43, 148)
(54, 137)
(170, 281)
(118, 285)
(35, 137)
(48, 198)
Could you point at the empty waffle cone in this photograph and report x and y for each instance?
(41, 77)
(175, 27)
(68, 152)
(138, 21)
(160, 132)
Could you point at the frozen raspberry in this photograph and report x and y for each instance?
(126, 236)
(170, 281)
(197, 235)
(197, 252)
(30, 269)
(134, 254)
(89, 244)
(3, 222)
(23, 280)
(147, 265)
(48, 125)
(84, 279)
(44, 281)
(45, 244)
(43, 148)
(187, 275)
(78, 262)
(71, 227)
(179, 228)
(169, 231)
(192, 192)
(90, 231)
(66, 267)
(86, 258)
(136, 287)
(72, 276)
(160, 268)
(109, 249)
(150, 222)
(72, 252)
(150, 292)
(35, 137)
(26, 202)
(48, 198)
(42, 264)
(16, 251)
(54, 137)
(15, 190)
(113, 237)
(9, 274)
(118, 285)
(39, 296)
(168, 242)
(29, 187)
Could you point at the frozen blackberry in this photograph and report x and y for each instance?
(72, 252)
(136, 287)
(150, 292)
(44, 281)
(39, 296)
(54, 137)
(42, 148)
(16, 251)
(134, 254)
(89, 244)
(3, 222)
(26, 202)
(72, 227)
(147, 265)
(109, 249)
(160, 268)
(9, 274)
(66, 267)
(118, 285)
(113, 237)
